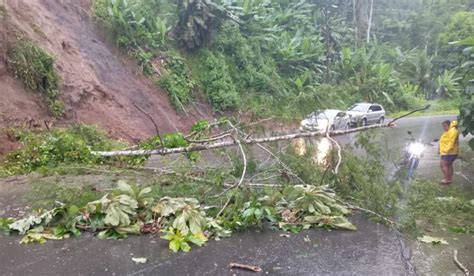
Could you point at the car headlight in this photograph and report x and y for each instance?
(323, 124)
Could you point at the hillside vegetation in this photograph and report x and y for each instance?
(286, 58)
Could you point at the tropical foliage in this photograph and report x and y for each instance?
(285, 58)
(129, 210)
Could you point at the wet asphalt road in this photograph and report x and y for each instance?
(372, 250)
(369, 251)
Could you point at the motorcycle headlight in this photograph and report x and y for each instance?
(416, 148)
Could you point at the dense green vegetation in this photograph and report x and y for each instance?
(466, 113)
(35, 68)
(49, 149)
(286, 58)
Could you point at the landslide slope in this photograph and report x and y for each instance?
(98, 84)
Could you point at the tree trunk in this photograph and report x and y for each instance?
(234, 142)
(249, 140)
(369, 20)
(354, 19)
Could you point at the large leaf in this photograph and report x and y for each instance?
(23, 225)
(432, 240)
(124, 187)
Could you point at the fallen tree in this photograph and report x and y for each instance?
(233, 141)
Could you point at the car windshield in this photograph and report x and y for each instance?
(358, 108)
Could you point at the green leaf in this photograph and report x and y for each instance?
(313, 219)
(144, 191)
(103, 235)
(131, 229)
(124, 187)
(23, 225)
(198, 239)
(174, 245)
(4, 224)
(40, 237)
(185, 246)
(340, 222)
(97, 221)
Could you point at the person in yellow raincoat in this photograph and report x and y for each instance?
(448, 150)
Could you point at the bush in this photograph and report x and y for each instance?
(216, 81)
(251, 70)
(49, 149)
(35, 68)
(177, 81)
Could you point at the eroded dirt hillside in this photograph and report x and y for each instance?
(98, 84)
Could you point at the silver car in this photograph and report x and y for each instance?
(366, 113)
(322, 120)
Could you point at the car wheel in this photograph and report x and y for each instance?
(364, 122)
(381, 120)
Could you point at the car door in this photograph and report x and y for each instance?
(371, 114)
(377, 113)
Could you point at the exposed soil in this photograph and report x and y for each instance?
(98, 84)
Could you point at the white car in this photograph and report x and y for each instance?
(366, 113)
(331, 119)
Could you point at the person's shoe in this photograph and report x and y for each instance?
(446, 182)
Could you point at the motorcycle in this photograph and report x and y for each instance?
(412, 154)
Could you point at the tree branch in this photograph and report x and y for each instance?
(339, 155)
(244, 170)
(409, 113)
(459, 264)
(152, 120)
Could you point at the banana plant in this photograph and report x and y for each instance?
(448, 84)
(198, 19)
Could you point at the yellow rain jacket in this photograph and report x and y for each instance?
(449, 140)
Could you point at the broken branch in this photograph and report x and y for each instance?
(246, 267)
(459, 264)
(244, 170)
(409, 113)
(151, 119)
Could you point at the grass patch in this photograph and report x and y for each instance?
(432, 206)
(35, 68)
(438, 107)
(45, 195)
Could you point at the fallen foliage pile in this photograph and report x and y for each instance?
(130, 210)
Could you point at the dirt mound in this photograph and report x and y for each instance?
(98, 84)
